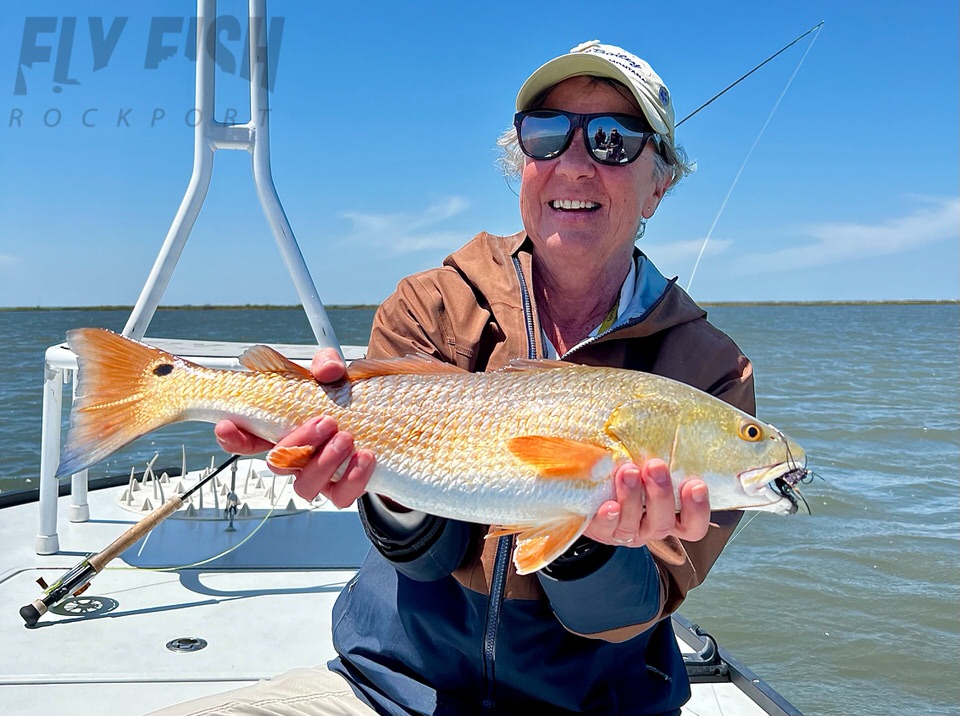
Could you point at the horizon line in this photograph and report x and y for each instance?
(374, 306)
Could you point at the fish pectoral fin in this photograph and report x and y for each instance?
(538, 545)
(560, 458)
(264, 359)
(290, 457)
(668, 550)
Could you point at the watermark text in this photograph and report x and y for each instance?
(50, 47)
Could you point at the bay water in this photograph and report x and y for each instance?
(853, 609)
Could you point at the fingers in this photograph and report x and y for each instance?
(630, 495)
(645, 508)
(618, 521)
(353, 483)
(315, 432)
(603, 524)
(661, 509)
(694, 518)
(327, 366)
(232, 438)
(335, 469)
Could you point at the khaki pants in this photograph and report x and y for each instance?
(301, 692)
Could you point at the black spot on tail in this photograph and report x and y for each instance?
(163, 369)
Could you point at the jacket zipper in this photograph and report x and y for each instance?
(497, 585)
(618, 327)
(501, 563)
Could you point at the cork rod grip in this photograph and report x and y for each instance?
(113, 550)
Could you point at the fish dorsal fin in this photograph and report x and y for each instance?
(418, 364)
(561, 458)
(528, 364)
(264, 359)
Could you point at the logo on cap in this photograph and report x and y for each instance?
(664, 96)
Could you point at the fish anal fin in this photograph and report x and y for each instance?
(264, 359)
(418, 364)
(290, 457)
(560, 458)
(538, 546)
(668, 550)
(504, 530)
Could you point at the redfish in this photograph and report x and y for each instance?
(531, 448)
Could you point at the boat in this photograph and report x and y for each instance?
(238, 582)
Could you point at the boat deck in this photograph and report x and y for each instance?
(252, 605)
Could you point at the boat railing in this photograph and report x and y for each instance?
(209, 136)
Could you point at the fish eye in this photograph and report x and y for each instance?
(751, 432)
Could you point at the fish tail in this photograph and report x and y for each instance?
(118, 398)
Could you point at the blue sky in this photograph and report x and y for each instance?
(384, 119)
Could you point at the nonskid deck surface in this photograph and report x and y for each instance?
(252, 605)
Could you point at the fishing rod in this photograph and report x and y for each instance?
(763, 128)
(743, 77)
(76, 580)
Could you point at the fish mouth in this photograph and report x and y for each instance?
(780, 479)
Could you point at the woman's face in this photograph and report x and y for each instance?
(589, 211)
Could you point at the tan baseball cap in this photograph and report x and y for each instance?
(598, 60)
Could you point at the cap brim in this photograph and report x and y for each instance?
(577, 65)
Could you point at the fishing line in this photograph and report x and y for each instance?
(742, 526)
(756, 141)
(513, 191)
(228, 550)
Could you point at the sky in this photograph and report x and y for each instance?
(830, 174)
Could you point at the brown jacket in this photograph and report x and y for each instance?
(476, 311)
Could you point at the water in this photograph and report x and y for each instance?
(854, 609)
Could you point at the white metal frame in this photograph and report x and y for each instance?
(209, 136)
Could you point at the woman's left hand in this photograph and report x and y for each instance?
(645, 509)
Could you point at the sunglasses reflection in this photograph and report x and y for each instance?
(609, 147)
(613, 139)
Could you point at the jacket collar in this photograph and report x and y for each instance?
(658, 303)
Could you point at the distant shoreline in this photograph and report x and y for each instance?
(190, 307)
(360, 307)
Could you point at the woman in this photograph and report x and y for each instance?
(437, 621)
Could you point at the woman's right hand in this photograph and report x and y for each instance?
(332, 447)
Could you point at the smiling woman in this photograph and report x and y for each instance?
(582, 214)
(596, 128)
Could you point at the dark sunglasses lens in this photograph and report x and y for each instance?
(616, 140)
(544, 136)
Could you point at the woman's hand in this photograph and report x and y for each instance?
(645, 509)
(333, 448)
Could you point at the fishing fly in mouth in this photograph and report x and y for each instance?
(787, 483)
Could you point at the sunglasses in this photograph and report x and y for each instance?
(614, 139)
